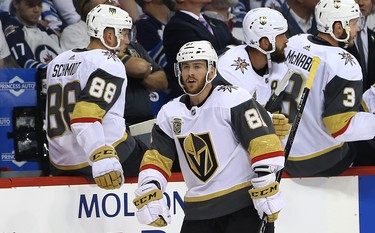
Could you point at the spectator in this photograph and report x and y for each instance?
(86, 102)
(221, 9)
(150, 27)
(364, 49)
(32, 44)
(131, 7)
(371, 18)
(231, 12)
(149, 32)
(273, 4)
(6, 59)
(74, 34)
(331, 116)
(194, 127)
(144, 77)
(185, 26)
(300, 16)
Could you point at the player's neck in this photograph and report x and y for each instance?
(197, 100)
(329, 39)
(257, 59)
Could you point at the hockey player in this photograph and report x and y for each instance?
(224, 141)
(331, 117)
(86, 101)
(258, 65)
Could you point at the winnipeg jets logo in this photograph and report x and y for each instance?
(347, 57)
(227, 88)
(240, 64)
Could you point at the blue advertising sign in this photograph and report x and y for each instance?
(17, 88)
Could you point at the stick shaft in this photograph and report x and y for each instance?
(293, 130)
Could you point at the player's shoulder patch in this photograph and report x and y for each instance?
(346, 65)
(228, 95)
(109, 55)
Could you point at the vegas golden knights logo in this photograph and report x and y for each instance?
(112, 11)
(337, 4)
(200, 155)
(176, 125)
(263, 20)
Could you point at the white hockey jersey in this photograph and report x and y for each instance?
(235, 67)
(85, 105)
(218, 143)
(369, 99)
(330, 117)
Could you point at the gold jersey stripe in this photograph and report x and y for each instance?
(301, 158)
(337, 122)
(123, 139)
(217, 194)
(87, 110)
(70, 167)
(264, 145)
(153, 157)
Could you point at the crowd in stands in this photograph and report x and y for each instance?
(34, 32)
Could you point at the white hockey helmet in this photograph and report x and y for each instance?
(196, 50)
(103, 16)
(263, 22)
(327, 12)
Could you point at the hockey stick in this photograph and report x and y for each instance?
(293, 130)
(280, 87)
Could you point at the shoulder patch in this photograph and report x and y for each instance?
(240, 64)
(110, 55)
(228, 88)
(347, 57)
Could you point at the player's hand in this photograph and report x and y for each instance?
(152, 208)
(281, 125)
(106, 168)
(266, 196)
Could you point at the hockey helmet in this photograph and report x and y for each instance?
(103, 16)
(327, 12)
(196, 50)
(263, 22)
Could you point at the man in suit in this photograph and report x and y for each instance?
(300, 16)
(184, 27)
(367, 37)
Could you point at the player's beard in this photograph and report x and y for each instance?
(343, 44)
(278, 56)
(197, 87)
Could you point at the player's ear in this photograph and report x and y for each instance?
(108, 36)
(264, 43)
(338, 30)
(212, 73)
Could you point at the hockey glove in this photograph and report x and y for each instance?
(152, 208)
(106, 168)
(266, 196)
(281, 125)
